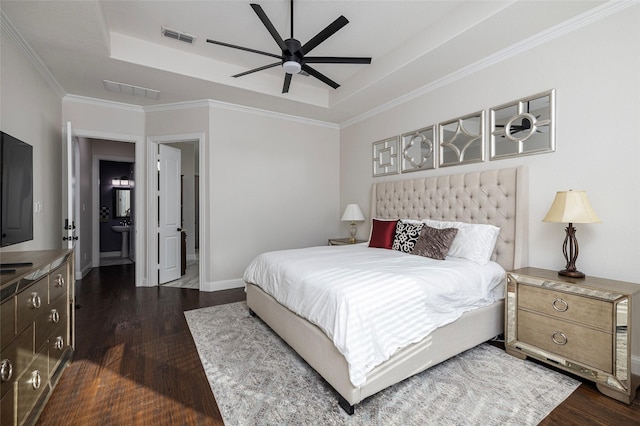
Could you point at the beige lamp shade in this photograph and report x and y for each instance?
(352, 213)
(571, 207)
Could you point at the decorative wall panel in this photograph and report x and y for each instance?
(418, 150)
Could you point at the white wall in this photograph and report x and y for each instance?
(31, 111)
(274, 184)
(595, 73)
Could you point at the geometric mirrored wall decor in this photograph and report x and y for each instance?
(461, 140)
(418, 150)
(385, 157)
(523, 127)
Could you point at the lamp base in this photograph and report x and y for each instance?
(353, 231)
(571, 274)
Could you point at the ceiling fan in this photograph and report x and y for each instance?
(293, 57)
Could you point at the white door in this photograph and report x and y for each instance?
(169, 227)
(69, 190)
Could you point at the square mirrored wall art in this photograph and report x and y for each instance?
(418, 149)
(523, 127)
(385, 157)
(461, 140)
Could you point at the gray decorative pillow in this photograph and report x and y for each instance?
(406, 236)
(434, 243)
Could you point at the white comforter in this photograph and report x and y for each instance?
(371, 302)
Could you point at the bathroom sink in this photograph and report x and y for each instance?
(123, 230)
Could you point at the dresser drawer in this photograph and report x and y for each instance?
(591, 312)
(58, 283)
(57, 344)
(53, 316)
(7, 320)
(581, 344)
(7, 407)
(32, 383)
(19, 355)
(31, 302)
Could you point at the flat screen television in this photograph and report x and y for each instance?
(16, 196)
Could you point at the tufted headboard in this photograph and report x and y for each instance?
(496, 197)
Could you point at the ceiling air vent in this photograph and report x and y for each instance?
(129, 89)
(177, 35)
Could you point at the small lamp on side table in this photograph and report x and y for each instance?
(353, 214)
(571, 207)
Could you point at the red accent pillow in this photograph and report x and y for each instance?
(383, 233)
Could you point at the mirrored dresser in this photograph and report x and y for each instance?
(36, 330)
(587, 326)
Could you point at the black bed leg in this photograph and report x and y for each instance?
(251, 313)
(344, 404)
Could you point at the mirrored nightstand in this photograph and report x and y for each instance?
(343, 241)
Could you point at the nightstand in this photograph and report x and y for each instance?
(587, 326)
(343, 241)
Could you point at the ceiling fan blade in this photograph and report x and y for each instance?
(323, 35)
(275, 64)
(287, 83)
(335, 60)
(247, 49)
(267, 23)
(323, 78)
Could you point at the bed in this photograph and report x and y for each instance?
(492, 197)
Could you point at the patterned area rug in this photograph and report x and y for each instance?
(258, 380)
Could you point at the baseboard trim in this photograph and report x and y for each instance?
(110, 254)
(83, 271)
(222, 285)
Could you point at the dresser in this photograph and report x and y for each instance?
(36, 330)
(587, 326)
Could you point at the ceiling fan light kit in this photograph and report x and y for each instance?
(291, 67)
(292, 57)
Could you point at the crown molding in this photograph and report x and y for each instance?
(211, 103)
(203, 103)
(594, 15)
(272, 114)
(103, 103)
(7, 26)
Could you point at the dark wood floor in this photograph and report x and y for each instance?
(136, 362)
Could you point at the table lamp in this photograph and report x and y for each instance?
(571, 207)
(353, 214)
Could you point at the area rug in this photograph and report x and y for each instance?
(258, 380)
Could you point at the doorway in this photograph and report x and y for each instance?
(87, 199)
(191, 215)
(116, 209)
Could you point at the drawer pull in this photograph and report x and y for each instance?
(55, 316)
(560, 305)
(36, 381)
(59, 345)
(6, 370)
(60, 281)
(559, 338)
(36, 302)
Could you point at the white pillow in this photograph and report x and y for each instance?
(473, 241)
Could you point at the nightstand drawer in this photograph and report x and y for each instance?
(591, 312)
(581, 344)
